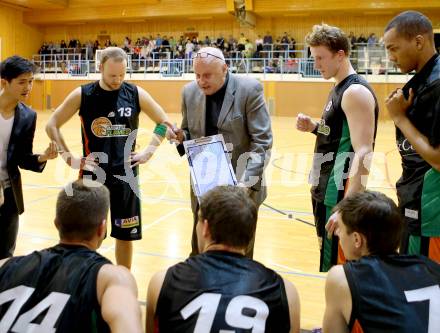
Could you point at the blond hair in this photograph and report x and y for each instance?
(331, 37)
(115, 53)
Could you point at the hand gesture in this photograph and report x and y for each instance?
(304, 123)
(332, 225)
(50, 153)
(141, 157)
(397, 104)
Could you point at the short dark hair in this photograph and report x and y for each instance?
(409, 24)
(375, 216)
(14, 66)
(331, 37)
(231, 215)
(81, 211)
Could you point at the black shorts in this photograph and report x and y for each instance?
(320, 215)
(125, 209)
(329, 251)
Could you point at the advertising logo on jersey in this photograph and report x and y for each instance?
(128, 222)
(102, 127)
(323, 128)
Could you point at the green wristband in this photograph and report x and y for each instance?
(160, 130)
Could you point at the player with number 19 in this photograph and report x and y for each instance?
(220, 289)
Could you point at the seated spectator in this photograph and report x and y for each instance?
(361, 39)
(172, 42)
(96, 46)
(292, 44)
(220, 42)
(44, 49)
(248, 49)
(165, 44)
(372, 40)
(221, 284)
(127, 42)
(189, 48)
(378, 290)
(259, 43)
(158, 40)
(352, 39)
(70, 287)
(267, 39)
(285, 41)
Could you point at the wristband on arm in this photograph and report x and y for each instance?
(160, 130)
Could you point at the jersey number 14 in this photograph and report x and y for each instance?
(54, 303)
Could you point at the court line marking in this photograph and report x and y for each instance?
(145, 227)
(290, 270)
(163, 217)
(287, 270)
(164, 199)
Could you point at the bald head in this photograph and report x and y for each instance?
(209, 55)
(210, 69)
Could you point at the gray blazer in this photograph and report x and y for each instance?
(245, 124)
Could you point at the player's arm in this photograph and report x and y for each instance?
(358, 105)
(397, 105)
(338, 302)
(294, 306)
(60, 116)
(117, 295)
(164, 127)
(151, 108)
(154, 288)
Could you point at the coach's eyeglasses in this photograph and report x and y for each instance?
(205, 55)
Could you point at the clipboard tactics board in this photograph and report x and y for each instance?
(209, 163)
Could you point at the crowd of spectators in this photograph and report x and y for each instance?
(182, 47)
(274, 50)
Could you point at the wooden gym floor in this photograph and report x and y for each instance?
(285, 240)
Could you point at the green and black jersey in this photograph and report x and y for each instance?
(108, 120)
(333, 157)
(53, 290)
(333, 149)
(418, 189)
(394, 293)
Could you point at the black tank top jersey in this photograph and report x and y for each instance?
(424, 114)
(393, 294)
(333, 136)
(217, 291)
(108, 118)
(56, 287)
